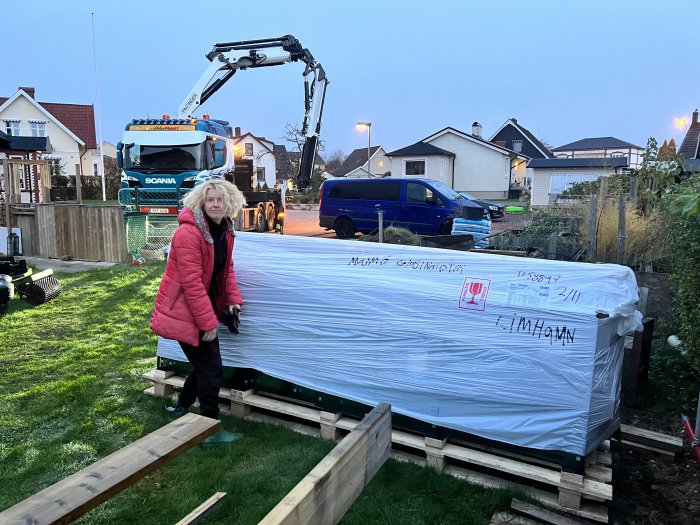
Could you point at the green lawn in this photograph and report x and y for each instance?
(72, 393)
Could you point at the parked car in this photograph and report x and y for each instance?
(423, 206)
(495, 209)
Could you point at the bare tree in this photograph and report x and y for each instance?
(293, 134)
(335, 159)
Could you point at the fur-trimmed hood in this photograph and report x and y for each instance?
(197, 218)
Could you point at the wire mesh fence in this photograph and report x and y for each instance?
(148, 236)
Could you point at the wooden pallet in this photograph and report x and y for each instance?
(581, 495)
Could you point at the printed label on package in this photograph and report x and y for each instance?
(474, 293)
(528, 294)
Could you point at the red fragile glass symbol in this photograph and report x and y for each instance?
(474, 289)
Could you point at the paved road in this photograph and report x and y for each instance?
(305, 223)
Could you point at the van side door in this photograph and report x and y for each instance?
(366, 195)
(423, 210)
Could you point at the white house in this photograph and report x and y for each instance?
(551, 177)
(356, 164)
(70, 129)
(463, 161)
(261, 152)
(601, 147)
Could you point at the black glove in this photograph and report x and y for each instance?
(232, 319)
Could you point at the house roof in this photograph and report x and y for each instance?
(596, 143)
(420, 148)
(78, 118)
(528, 135)
(10, 142)
(691, 143)
(594, 162)
(692, 165)
(469, 136)
(261, 140)
(355, 160)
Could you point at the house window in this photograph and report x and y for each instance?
(12, 127)
(249, 149)
(380, 164)
(518, 146)
(37, 129)
(414, 168)
(95, 169)
(259, 174)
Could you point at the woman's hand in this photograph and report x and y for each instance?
(210, 335)
(233, 307)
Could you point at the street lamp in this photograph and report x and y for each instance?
(368, 126)
(681, 122)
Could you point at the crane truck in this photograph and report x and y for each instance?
(162, 159)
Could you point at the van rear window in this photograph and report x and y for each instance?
(384, 190)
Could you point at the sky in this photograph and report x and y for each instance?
(566, 70)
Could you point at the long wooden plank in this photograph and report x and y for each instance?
(517, 468)
(592, 511)
(327, 492)
(70, 498)
(200, 512)
(538, 513)
(651, 438)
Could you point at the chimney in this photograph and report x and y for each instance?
(237, 132)
(515, 120)
(476, 130)
(28, 90)
(695, 117)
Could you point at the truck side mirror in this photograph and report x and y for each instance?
(120, 155)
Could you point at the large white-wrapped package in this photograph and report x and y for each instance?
(519, 350)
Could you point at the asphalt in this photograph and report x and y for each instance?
(57, 265)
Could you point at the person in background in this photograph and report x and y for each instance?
(198, 289)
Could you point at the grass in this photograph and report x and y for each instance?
(72, 393)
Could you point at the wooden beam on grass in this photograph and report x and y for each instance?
(200, 512)
(327, 492)
(70, 498)
(540, 514)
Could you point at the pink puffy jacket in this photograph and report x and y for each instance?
(183, 308)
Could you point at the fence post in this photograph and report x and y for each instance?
(592, 227)
(634, 188)
(621, 233)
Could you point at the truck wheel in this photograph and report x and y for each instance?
(271, 222)
(260, 222)
(344, 228)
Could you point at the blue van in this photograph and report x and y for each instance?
(423, 206)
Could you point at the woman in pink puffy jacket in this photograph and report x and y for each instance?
(198, 285)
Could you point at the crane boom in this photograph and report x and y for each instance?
(227, 58)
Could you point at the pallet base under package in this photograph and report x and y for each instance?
(522, 353)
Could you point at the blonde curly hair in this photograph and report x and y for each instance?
(233, 198)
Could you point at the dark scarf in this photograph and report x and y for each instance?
(218, 233)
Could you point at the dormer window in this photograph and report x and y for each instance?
(518, 146)
(12, 127)
(37, 128)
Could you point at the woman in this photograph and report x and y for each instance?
(198, 284)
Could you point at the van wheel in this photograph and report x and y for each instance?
(446, 228)
(260, 221)
(344, 228)
(271, 217)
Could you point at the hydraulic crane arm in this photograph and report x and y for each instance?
(229, 57)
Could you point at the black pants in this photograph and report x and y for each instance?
(204, 381)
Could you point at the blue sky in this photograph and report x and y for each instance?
(565, 69)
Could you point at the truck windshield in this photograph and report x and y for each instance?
(188, 157)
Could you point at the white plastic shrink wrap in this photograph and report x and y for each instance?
(505, 348)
